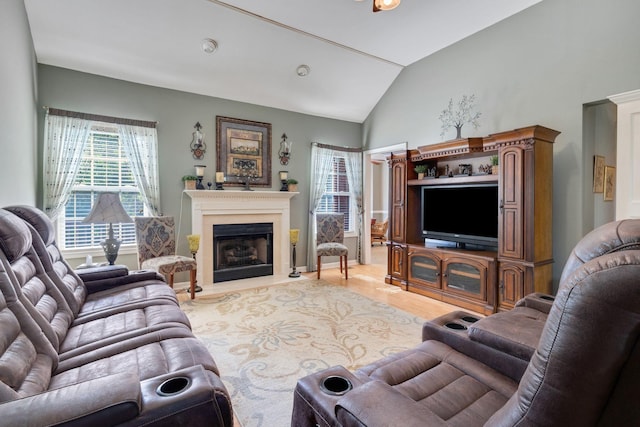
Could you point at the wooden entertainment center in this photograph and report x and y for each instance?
(485, 281)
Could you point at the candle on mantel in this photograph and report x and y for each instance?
(293, 236)
(219, 177)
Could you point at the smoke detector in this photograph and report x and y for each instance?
(303, 70)
(209, 45)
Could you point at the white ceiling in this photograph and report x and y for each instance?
(354, 54)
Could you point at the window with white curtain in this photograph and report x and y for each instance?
(337, 195)
(103, 167)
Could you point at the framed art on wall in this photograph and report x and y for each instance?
(244, 151)
(609, 182)
(598, 174)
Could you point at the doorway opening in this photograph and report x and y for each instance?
(376, 199)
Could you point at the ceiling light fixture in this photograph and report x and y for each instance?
(209, 45)
(379, 5)
(303, 70)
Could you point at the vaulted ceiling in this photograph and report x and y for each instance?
(353, 54)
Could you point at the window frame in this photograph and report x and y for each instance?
(353, 219)
(61, 229)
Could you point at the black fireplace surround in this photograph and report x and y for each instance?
(241, 251)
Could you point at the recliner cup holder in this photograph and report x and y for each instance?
(173, 386)
(335, 385)
(456, 326)
(548, 298)
(470, 319)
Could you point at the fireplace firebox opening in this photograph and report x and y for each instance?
(241, 251)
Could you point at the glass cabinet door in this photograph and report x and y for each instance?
(465, 276)
(424, 268)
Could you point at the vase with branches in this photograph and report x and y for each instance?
(459, 115)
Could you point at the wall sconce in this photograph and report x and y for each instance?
(285, 150)
(284, 175)
(200, 175)
(198, 147)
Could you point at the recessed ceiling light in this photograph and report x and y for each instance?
(303, 70)
(209, 45)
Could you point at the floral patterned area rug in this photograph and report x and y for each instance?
(264, 339)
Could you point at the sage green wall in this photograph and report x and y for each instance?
(599, 138)
(177, 112)
(538, 67)
(17, 107)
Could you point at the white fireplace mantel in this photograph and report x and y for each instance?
(212, 207)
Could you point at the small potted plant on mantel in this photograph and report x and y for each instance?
(494, 165)
(292, 184)
(189, 182)
(420, 170)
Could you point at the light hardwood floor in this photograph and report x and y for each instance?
(368, 280)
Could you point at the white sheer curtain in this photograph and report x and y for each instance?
(321, 162)
(353, 162)
(64, 141)
(140, 145)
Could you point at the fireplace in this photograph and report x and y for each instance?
(209, 208)
(241, 251)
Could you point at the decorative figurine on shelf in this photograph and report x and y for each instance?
(293, 238)
(462, 114)
(198, 147)
(464, 169)
(194, 245)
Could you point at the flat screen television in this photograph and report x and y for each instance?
(464, 214)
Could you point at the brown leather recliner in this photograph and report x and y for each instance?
(117, 355)
(508, 339)
(585, 369)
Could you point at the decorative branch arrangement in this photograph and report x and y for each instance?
(461, 115)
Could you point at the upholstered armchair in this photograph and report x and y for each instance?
(379, 231)
(156, 241)
(330, 238)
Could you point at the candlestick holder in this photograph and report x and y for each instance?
(200, 176)
(293, 238)
(194, 245)
(284, 184)
(219, 180)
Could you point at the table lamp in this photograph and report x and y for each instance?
(107, 210)
(293, 238)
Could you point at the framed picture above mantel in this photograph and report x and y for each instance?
(244, 151)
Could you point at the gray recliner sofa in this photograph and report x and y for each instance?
(112, 350)
(584, 369)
